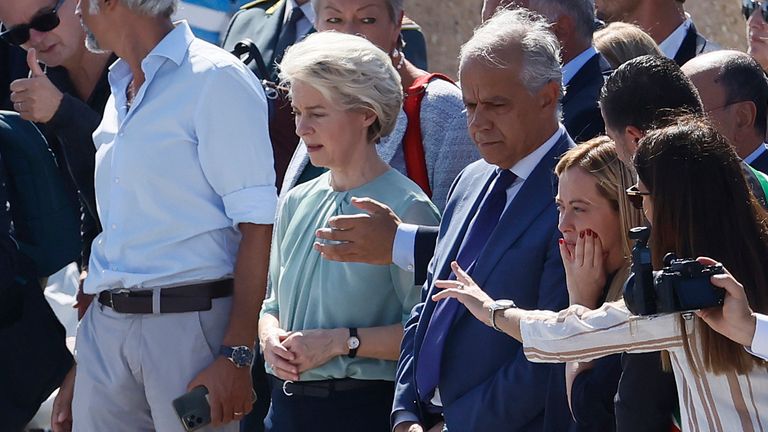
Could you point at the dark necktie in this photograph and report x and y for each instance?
(288, 34)
(488, 215)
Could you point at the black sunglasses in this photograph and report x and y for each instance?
(45, 22)
(748, 7)
(635, 196)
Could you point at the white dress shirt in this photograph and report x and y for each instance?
(405, 237)
(573, 67)
(306, 24)
(671, 45)
(180, 169)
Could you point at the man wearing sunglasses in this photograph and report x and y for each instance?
(756, 14)
(65, 97)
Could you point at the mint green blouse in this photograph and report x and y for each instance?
(309, 292)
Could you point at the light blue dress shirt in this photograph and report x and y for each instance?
(180, 169)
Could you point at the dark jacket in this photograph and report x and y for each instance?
(581, 113)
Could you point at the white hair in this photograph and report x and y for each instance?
(155, 8)
(349, 71)
(582, 12)
(508, 27)
(394, 7)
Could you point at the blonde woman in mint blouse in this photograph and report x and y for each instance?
(331, 331)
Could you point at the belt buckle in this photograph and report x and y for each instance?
(112, 294)
(285, 388)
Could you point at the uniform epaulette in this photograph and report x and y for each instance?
(409, 24)
(255, 3)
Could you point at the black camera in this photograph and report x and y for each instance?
(682, 285)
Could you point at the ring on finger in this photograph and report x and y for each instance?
(237, 414)
(460, 286)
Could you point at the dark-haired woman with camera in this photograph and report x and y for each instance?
(695, 195)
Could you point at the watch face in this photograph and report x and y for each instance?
(242, 356)
(503, 304)
(353, 343)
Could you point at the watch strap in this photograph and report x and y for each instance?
(353, 334)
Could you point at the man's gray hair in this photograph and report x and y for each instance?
(155, 8)
(508, 27)
(582, 12)
(394, 8)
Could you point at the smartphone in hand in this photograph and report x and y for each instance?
(193, 409)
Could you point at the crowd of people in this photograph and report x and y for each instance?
(285, 222)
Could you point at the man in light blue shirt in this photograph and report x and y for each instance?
(185, 191)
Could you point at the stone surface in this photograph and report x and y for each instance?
(449, 23)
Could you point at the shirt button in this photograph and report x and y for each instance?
(410, 268)
(114, 226)
(121, 134)
(117, 179)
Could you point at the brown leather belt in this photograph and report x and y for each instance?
(186, 298)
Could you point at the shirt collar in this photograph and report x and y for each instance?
(309, 11)
(573, 67)
(756, 154)
(671, 45)
(525, 166)
(173, 47)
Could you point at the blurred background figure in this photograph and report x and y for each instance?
(756, 14)
(620, 42)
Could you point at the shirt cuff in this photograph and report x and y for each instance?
(402, 249)
(256, 205)
(759, 346)
(403, 416)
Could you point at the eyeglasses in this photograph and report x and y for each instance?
(45, 22)
(635, 196)
(748, 7)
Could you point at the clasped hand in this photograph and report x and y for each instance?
(291, 353)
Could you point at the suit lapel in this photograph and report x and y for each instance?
(270, 31)
(536, 194)
(687, 49)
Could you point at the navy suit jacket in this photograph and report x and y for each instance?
(486, 383)
(581, 113)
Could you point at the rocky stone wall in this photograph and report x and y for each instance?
(448, 23)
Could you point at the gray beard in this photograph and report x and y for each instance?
(90, 41)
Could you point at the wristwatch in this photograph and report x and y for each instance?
(499, 305)
(353, 342)
(241, 356)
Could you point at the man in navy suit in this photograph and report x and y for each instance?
(734, 91)
(500, 223)
(664, 20)
(584, 69)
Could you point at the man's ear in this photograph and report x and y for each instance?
(746, 114)
(634, 134)
(549, 95)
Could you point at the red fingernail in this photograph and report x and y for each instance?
(561, 241)
(589, 233)
(594, 234)
(581, 234)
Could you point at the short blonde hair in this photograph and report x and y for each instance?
(599, 159)
(350, 72)
(620, 42)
